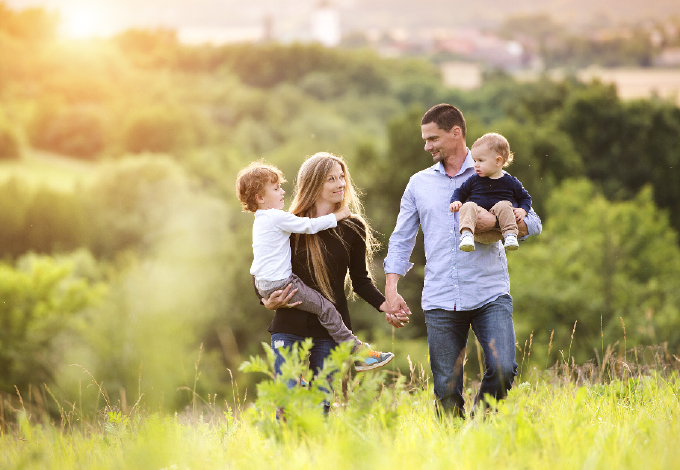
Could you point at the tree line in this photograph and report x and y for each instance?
(147, 263)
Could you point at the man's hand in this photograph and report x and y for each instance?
(485, 221)
(342, 213)
(395, 308)
(280, 298)
(455, 206)
(520, 213)
(397, 317)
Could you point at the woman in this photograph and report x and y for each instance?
(323, 260)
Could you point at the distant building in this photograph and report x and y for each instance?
(463, 75)
(669, 57)
(326, 24)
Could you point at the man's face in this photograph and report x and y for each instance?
(440, 143)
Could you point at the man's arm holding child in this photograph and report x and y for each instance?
(523, 199)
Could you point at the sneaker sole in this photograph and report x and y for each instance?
(511, 247)
(467, 248)
(374, 366)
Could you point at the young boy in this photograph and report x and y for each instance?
(258, 187)
(491, 189)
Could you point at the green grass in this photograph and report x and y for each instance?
(620, 421)
(620, 425)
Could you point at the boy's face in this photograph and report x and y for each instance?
(272, 198)
(487, 163)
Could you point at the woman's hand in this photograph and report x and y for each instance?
(280, 298)
(395, 317)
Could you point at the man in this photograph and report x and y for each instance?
(461, 290)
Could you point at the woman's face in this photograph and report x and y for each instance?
(333, 190)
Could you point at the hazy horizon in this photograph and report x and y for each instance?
(291, 18)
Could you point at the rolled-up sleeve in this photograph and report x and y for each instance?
(403, 239)
(534, 226)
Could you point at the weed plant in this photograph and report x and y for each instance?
(618, 413)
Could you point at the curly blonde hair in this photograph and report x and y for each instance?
(251, 183)
(498, 145)
(308, 185)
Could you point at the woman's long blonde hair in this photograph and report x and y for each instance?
(308, 186)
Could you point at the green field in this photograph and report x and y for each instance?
(46, 169)
(555, 418)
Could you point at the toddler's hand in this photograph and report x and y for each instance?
(519, 213)
(342, 213)
(455, 206)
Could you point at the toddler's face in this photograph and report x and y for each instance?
(487, 163)
(272, 197)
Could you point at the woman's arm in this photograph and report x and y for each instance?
(358, 272)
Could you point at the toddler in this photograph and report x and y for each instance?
(493, 190)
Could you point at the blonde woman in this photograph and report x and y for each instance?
(324, 260)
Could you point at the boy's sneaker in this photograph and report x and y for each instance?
(511, 242)
(467, 242)
(374, 359)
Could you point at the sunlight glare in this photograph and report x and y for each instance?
(82, 21)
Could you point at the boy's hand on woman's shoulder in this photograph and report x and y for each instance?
(342, 213)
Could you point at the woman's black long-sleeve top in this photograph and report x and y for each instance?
(339, 258)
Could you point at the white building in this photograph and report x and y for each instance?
(326, 24)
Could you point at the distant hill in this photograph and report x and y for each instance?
(433, 13)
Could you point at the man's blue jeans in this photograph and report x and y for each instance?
(447, 334)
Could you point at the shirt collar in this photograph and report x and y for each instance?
(467, 163)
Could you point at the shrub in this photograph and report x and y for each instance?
(159, 129)
(9, 141)
(77, 131)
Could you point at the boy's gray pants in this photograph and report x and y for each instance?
(312, 302)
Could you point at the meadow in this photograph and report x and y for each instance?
(128, 313)
(618, 414)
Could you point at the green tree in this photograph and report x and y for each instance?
(598, 262)
(149, 48)
(41, 298)
(161, 129)
(130, 201)
(625, 145)
(73, 131)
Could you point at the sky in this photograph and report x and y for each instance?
(291, 19)
(106, 17)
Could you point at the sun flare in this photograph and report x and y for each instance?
(82, 21)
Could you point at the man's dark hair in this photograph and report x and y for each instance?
(445, 116)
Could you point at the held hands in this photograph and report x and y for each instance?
(396, 310)
(455, 206)
(519, 213)
(342, 213)
(280, 299)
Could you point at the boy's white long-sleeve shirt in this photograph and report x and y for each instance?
(271, 245)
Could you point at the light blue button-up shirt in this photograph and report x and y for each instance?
(454, 279)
